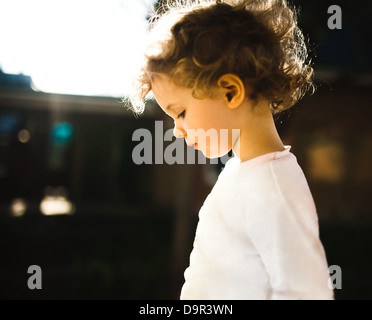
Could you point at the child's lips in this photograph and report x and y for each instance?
(195, 145)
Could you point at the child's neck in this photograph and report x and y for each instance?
(258, 134)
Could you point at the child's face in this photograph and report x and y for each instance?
(194, 117)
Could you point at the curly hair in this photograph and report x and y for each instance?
(196, 42)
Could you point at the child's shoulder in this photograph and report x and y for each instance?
(278, 172)
(235, 164)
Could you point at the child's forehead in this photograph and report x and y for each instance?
(164, 88)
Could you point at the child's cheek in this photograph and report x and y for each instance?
(190, 122)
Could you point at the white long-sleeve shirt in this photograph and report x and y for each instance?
(258, 236)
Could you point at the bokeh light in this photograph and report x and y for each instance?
(18, 207)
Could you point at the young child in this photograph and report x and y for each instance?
(228, 65)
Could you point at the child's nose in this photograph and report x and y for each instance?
(178, 133)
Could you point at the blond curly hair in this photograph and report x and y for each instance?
(196, 42)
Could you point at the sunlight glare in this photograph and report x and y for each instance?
(87, 47)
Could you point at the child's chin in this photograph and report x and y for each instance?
(213, 155)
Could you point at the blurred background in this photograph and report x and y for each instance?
(101, 227)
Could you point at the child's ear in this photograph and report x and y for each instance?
(234, 90)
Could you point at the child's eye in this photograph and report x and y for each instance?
(182, 114)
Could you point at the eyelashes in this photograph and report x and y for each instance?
(182, 114)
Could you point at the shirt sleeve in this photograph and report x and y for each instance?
(284, 229)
